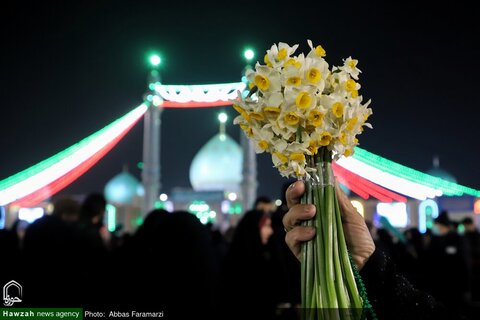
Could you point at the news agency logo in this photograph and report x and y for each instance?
(12, 293)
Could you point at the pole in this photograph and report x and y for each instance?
(151, 146)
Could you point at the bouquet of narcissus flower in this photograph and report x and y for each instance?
(306, 114)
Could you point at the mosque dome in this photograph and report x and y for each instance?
(122, 188)
(217, 165)
(436, 171)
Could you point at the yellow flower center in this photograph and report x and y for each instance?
(325, 138)
(303, 100)
(281, 157)
(291, 118)
(257, 116)
(348, 152)
(282, 54)
(350, 85)
(337, 109)
(300, 157)
(315, 118)
(314, 75)
(262, 82)
(271, 112)
(263, 144)
(353, 63)
(292, 62)
(313, 148)
(294, 81)
(355, 94)
(319, 51)
(351, 123)
(343, 138)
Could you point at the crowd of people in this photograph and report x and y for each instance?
(175, 264)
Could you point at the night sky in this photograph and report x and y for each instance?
(68, 68)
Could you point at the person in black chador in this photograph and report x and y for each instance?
(390, 293)
(169, 266)
(51, 252)
(249, 275)
(447, 259)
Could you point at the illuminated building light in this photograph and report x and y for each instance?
(198, 206)
(30, 214)
(395, 212)
(163, 197)
(54, 170)
(376, 191)
(387, 180)
(222, 117)
(359, 206)
(427, 211)
(206, 94)
(2, 217)
(476, 206)
(447, 187)
(157, 101)
(232, 196)
(225, 206)
(111, 217)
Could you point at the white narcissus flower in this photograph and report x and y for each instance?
(301, 98)
(350, 66)
(278, 55)
(263, 138)
(317, 51)
(315, 72)
(265, 79)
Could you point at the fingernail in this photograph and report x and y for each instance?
(292, 186)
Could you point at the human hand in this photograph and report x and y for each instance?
(359, 241)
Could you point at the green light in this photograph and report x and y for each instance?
(111, 217)
(155, 60)
(138, 221)
(249, 54)
(159, 205)
(448, 188)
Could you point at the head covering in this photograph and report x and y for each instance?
(443, 219)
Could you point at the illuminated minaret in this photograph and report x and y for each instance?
(151, 140)
(249, 171)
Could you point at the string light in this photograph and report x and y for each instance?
(48, 171)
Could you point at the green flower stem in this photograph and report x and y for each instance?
(348, 272)
(319, 247)
(329, 290)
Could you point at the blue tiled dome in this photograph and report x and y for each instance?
(122, 188)
(217, 165)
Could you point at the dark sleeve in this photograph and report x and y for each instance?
(393, 296)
